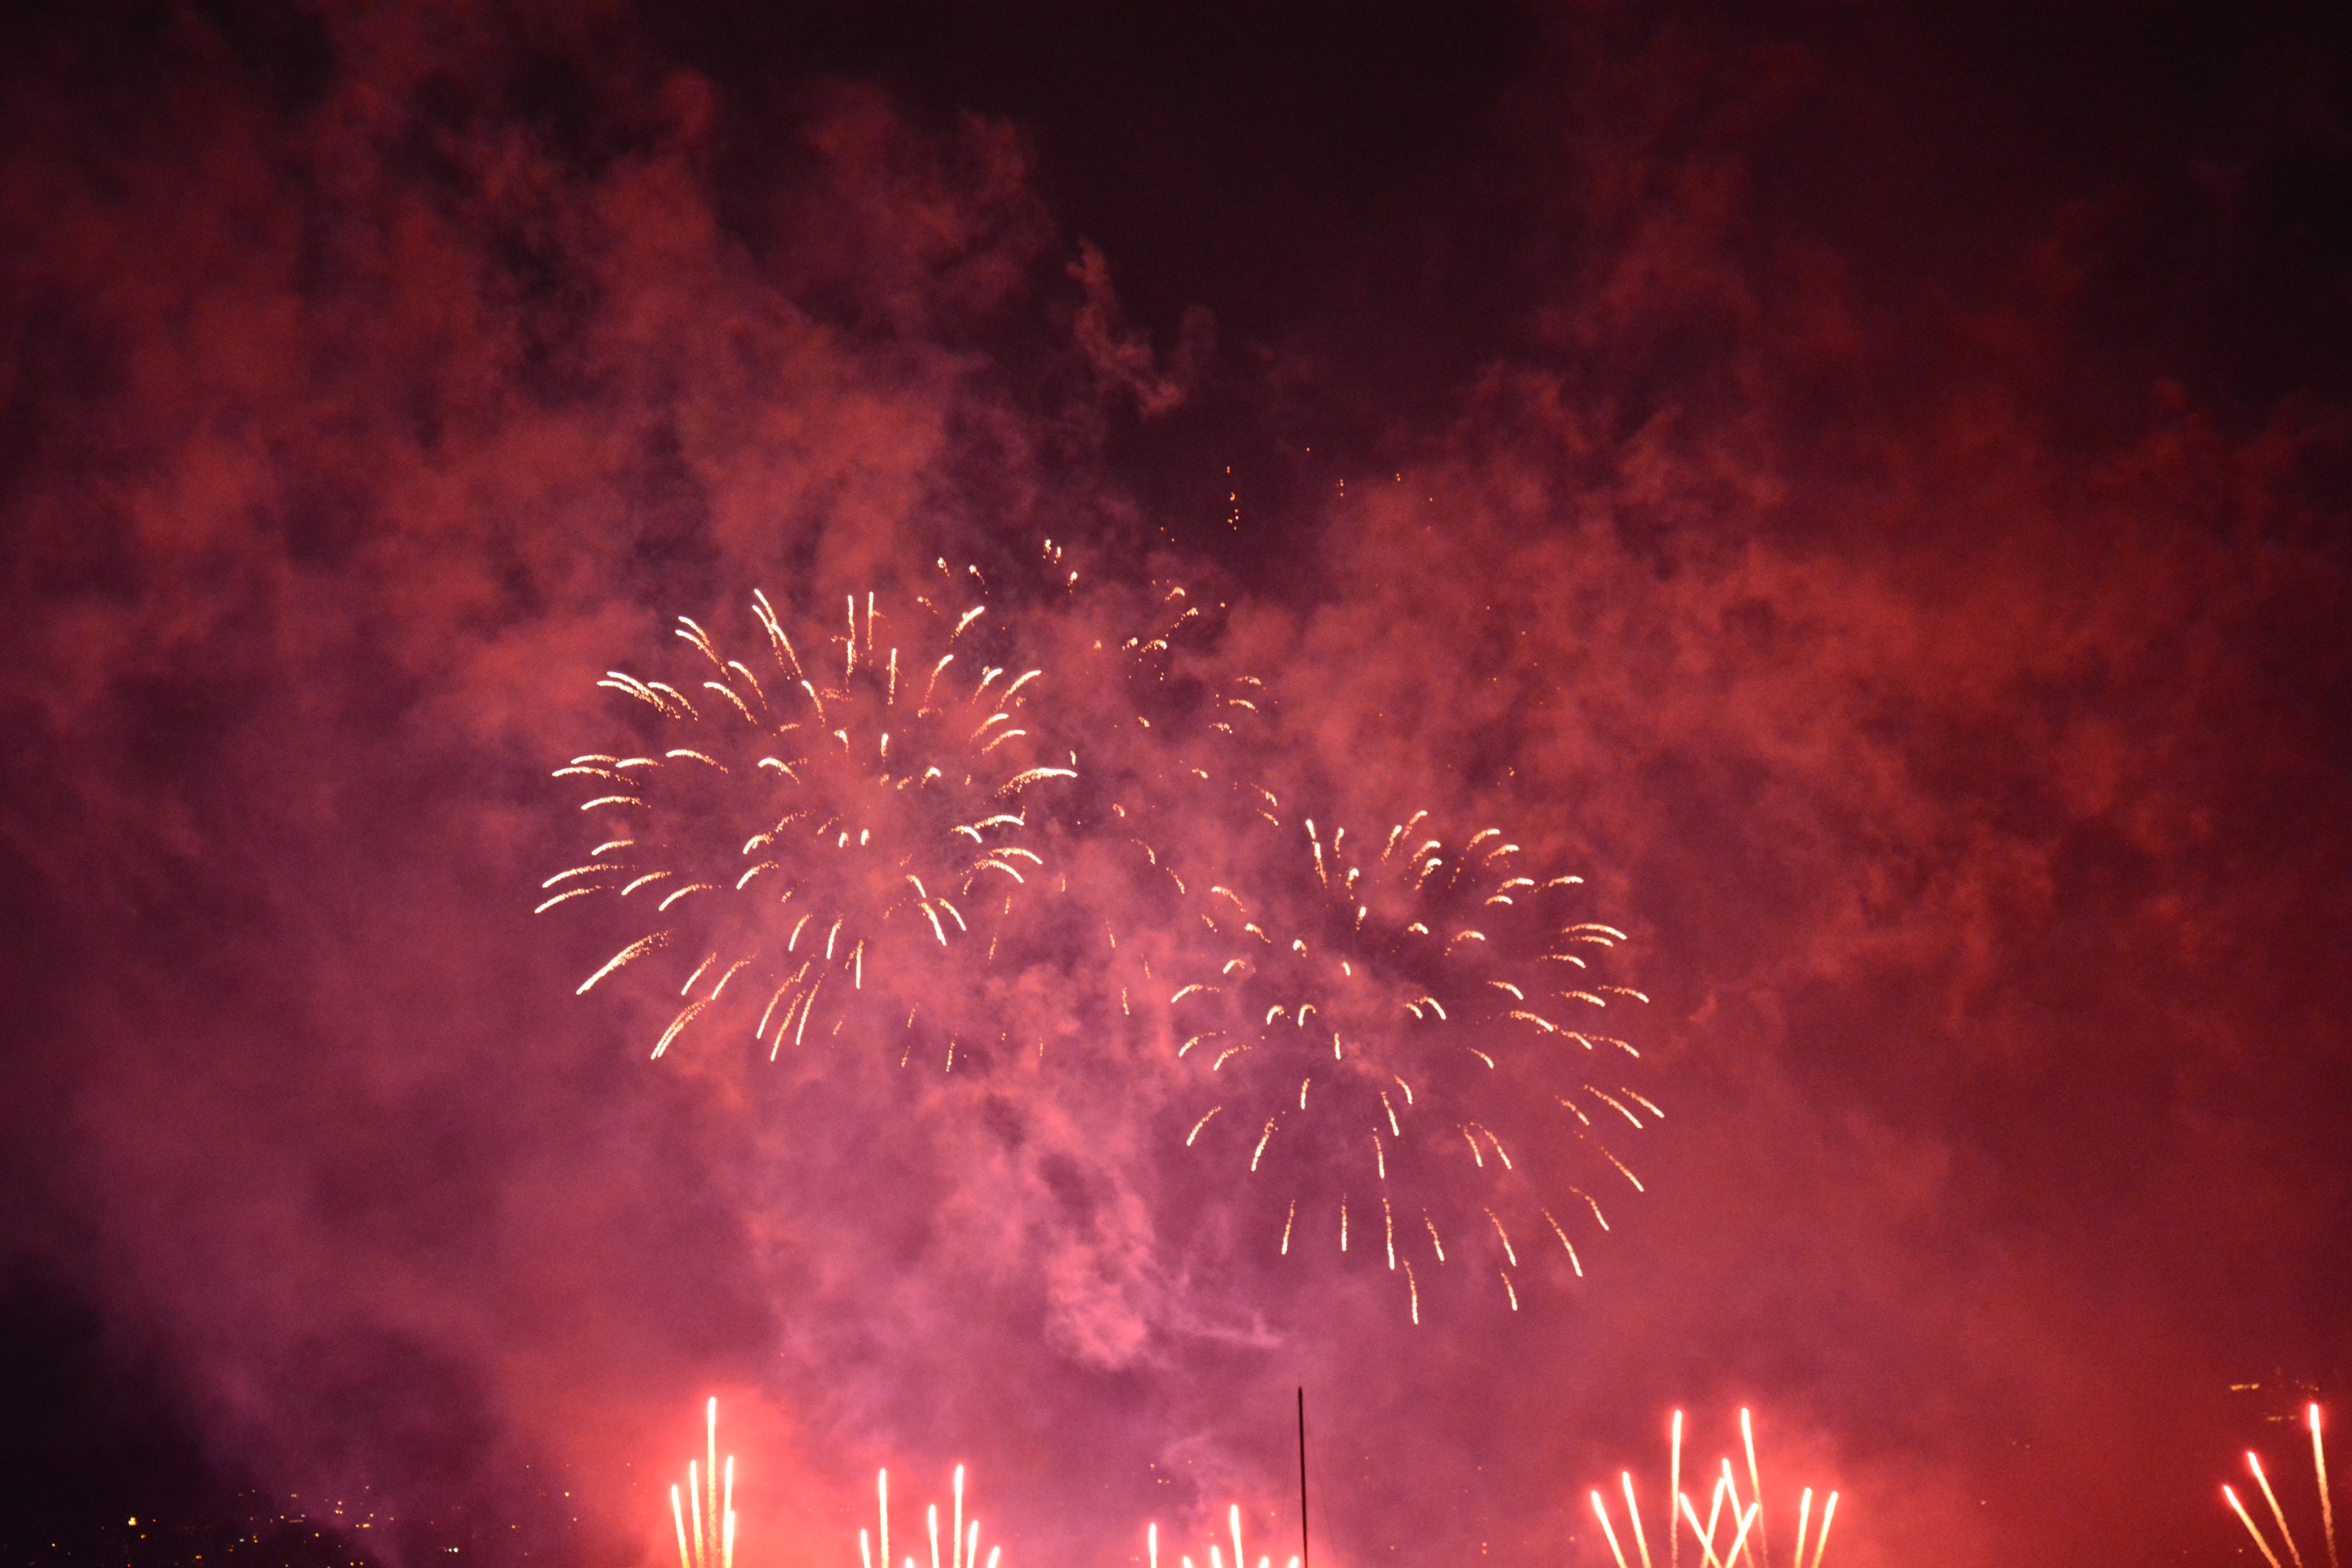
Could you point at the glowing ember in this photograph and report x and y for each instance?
(820, 832)
(1731, 1523)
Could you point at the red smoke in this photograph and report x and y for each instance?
(1837, 540)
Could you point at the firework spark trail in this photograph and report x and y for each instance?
(1216, 1552)
(963, 1536)
(2278, 1513)
(1674, 1490)
(1745, 1518)
(1755, 1486)
(824, 831)
(2254, 1464)
(2319, 1468)
(1421, 1013)
(2240, 1509)
(710, 1543)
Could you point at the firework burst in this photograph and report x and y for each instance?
(1411, 1042)
(830, 832)
(1733, 1525)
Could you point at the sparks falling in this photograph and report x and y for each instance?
(1426, 1018)
(1734, 1525)
(705, 1517)
(2277, 1513)
(820, 832)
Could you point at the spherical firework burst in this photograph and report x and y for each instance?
(1408, 1042)
(821, 833)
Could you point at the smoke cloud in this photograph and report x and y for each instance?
(1901, 574)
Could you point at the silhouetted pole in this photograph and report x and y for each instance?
(1302, 1481)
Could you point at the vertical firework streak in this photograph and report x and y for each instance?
(963, 1536)
(1417, 1031)
(820, 833)
(2278, 1515)
(709, 1505)
(1733, 1525)
(1215, 1551)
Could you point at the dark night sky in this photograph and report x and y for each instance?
(1864, 488)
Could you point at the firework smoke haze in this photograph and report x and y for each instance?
(1865, 493)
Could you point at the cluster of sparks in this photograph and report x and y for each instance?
(1408, 1034)
(705, 1517)
(1356, 1014)
(963, 1536)
(1731, 1523)
(2278, 1515)
(807, 836)
(1360, 1036)
(1216, 1552)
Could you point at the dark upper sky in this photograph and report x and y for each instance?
(1864, 490)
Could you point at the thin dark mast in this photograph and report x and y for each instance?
(1302, 1481)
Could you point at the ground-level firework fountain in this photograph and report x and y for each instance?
(1736, 1522)
(2278, 1515)
(706, 1516)
(1216, 1552)
(963, 1537)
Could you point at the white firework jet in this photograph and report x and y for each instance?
(2278, 1515)
(1216, 1557)
(963, 1535)
(1411, 1044)
(832, 833)
(1733, 1530)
